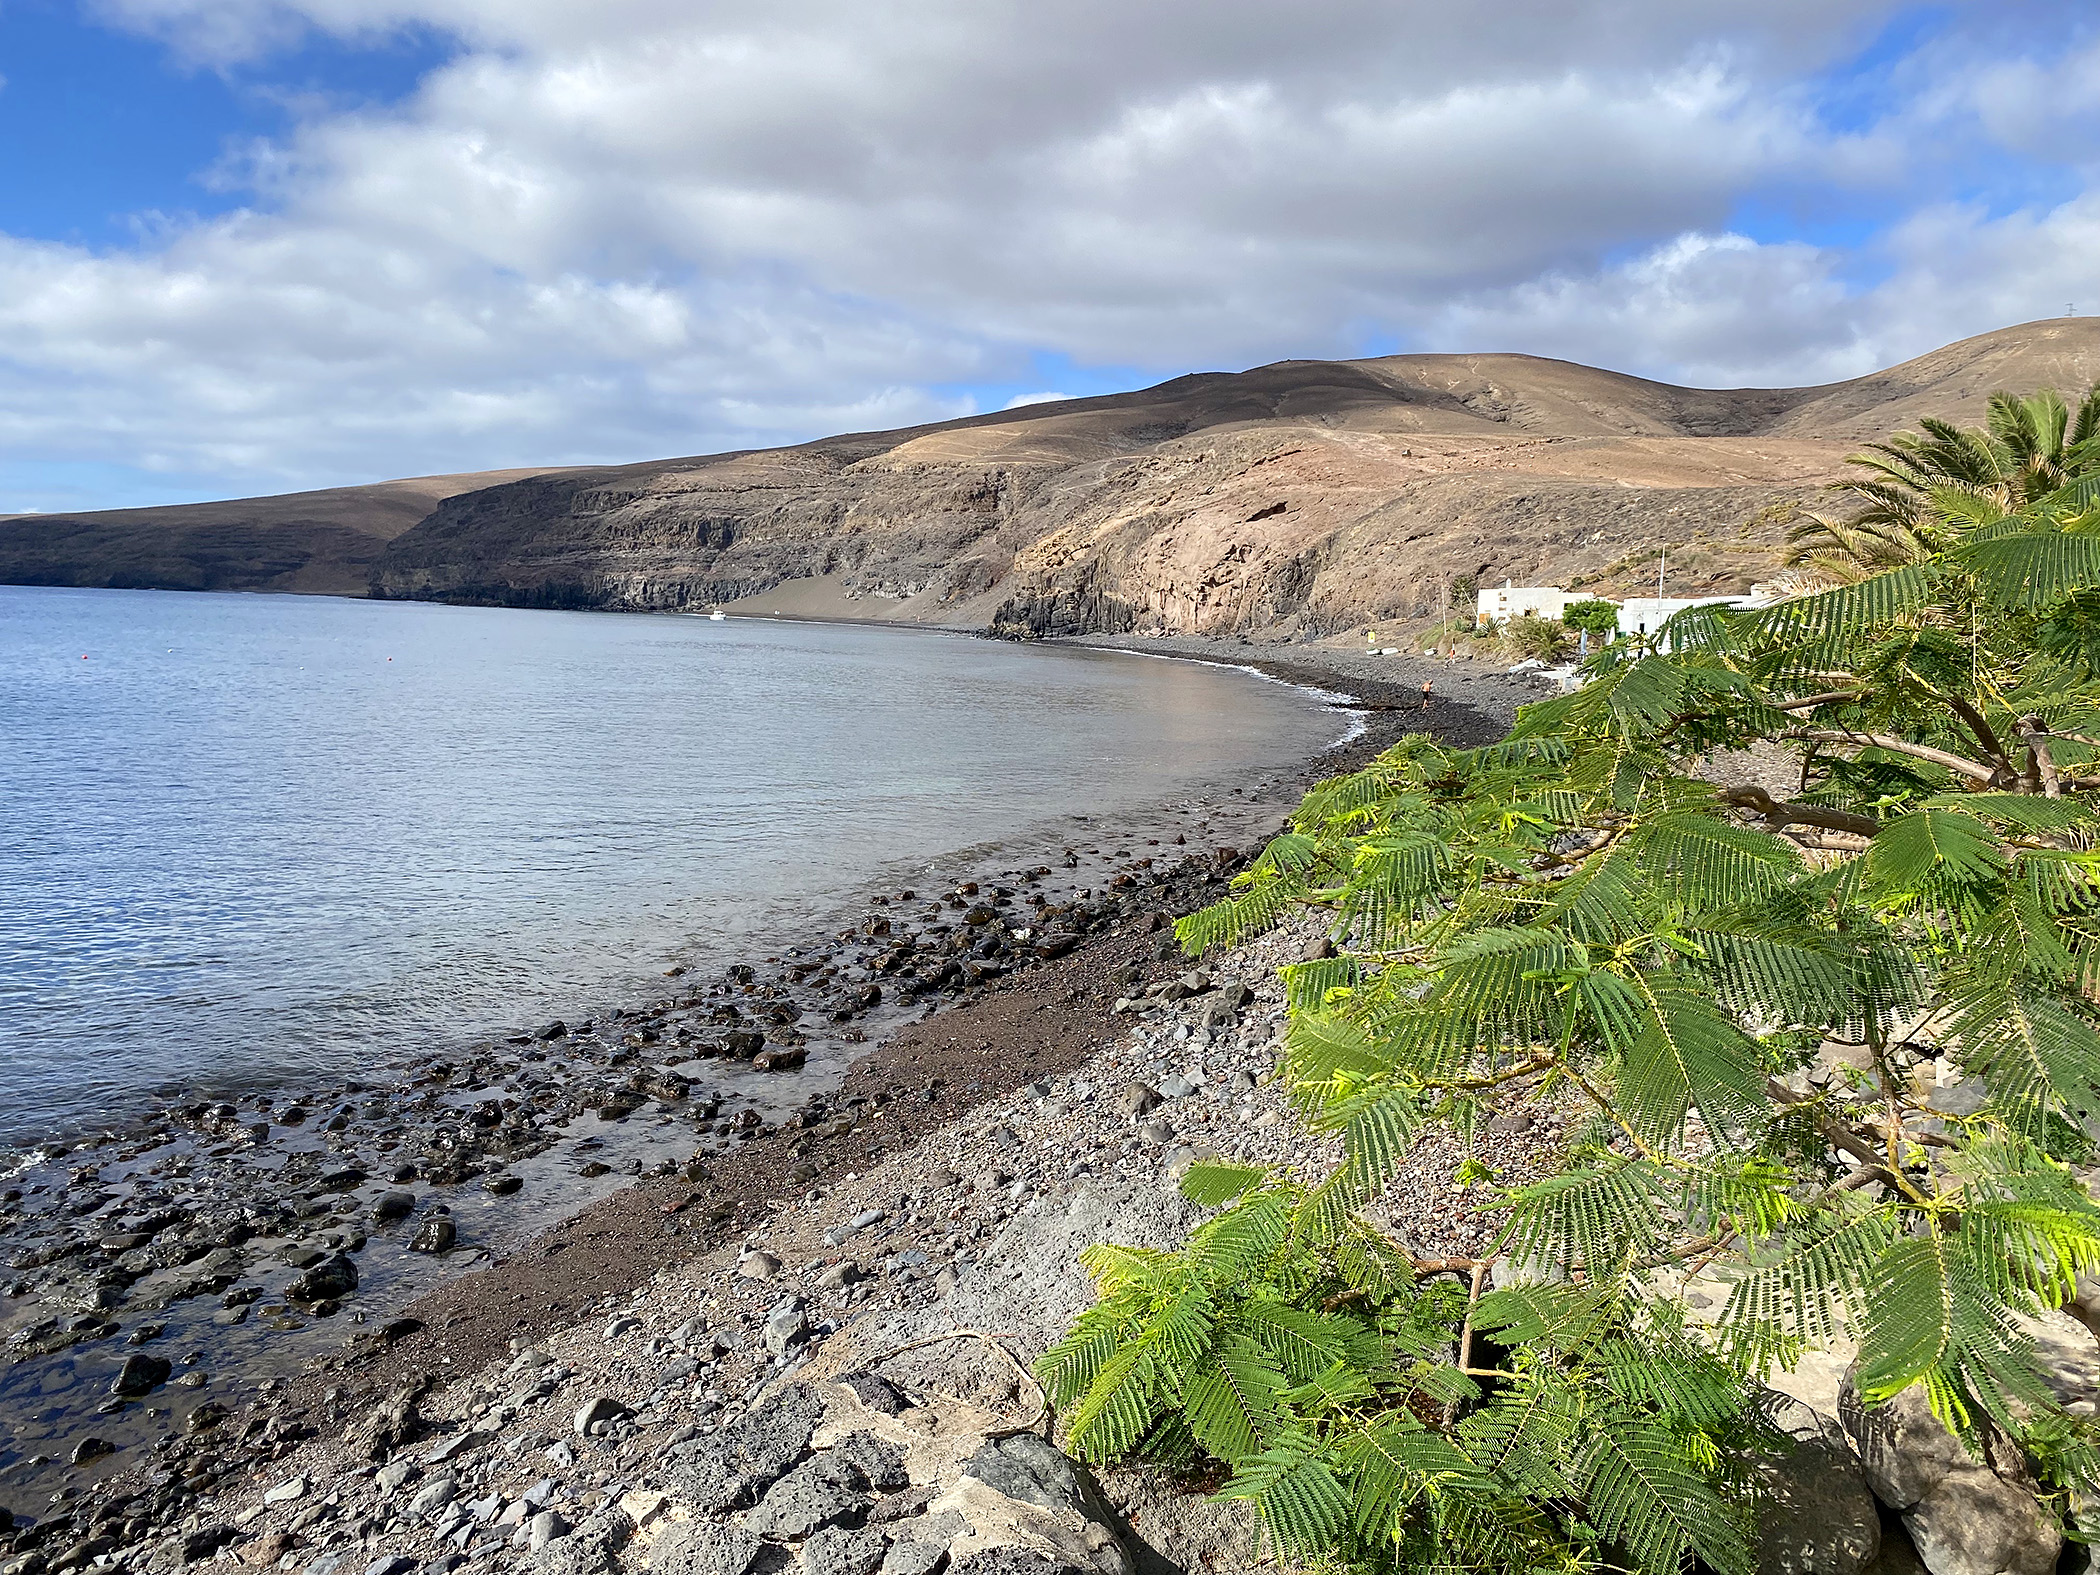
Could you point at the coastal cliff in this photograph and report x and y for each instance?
(1295, 499)
(1301, 498)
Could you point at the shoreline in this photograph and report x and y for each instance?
(1010, 1032)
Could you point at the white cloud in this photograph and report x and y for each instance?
(644, 227)
(1019, 400)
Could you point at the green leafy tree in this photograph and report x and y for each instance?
(1577, 917)
(1597, 616)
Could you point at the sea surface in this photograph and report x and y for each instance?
(246, 840)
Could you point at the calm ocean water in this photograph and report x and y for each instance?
(251, 838)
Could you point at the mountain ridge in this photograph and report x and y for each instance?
(1295, 498)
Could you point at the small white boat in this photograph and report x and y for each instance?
(717, 616)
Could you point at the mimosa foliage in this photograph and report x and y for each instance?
(1616, 911)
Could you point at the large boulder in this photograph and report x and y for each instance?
(1817, 1515)
(916, 1470)
(1966, 1515)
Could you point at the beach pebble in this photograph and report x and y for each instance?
(785, 1326)
(89, 1449)
(547, 1526)
(434, 1495)
(593, 1415)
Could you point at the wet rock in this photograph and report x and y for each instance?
(393, 1206)
(436, 1236)
(331, 1278)
(779, 1058)
(92, 1449)
(207, 1416)
(141, 1374)
(553, 1031)
(502, 1185)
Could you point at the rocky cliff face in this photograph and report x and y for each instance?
(1300, 498)
(1305, 497)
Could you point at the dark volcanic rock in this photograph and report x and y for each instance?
(334, 1276)
(141, 1374)
(437, 1235)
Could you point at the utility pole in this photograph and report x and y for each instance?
(1443, 628)
(1661, 569)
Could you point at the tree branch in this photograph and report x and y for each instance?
(2036, 732)
(1810, 702)
(1985, 735)
(1972, 769)
(1779, 814)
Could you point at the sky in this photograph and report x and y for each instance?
(252, 246)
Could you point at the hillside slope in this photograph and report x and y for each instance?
(324, 543)
(1302, 497)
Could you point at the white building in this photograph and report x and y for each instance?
(1645, 615)
(1527, 601)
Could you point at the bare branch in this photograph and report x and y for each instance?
(1779, 814)
(2036, 732)
(1985, 735)
(1975, 770)
(1810, 702)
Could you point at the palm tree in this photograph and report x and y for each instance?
(1921, 490)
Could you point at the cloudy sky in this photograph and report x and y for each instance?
(256, 245)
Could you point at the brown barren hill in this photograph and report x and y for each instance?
(1301, 498)
(322, 543)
